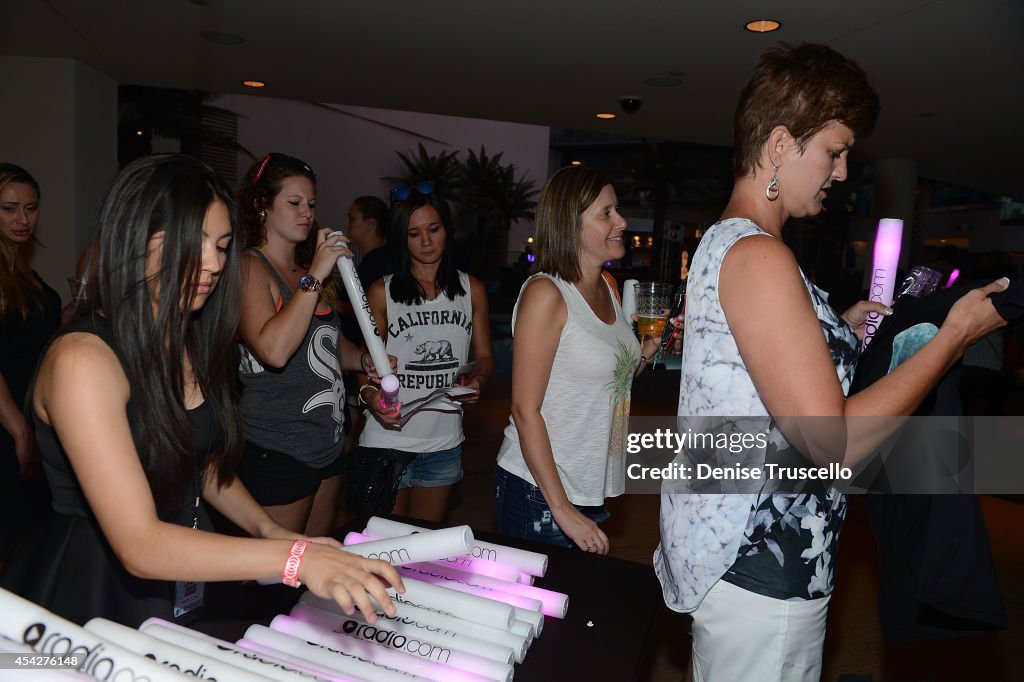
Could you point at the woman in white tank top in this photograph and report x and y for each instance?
(431, 316)
(573, 361)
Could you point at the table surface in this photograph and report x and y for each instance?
(612, 604)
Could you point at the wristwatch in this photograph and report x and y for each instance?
(309, 283)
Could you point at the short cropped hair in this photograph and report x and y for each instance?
(803, 88)
(559, 218)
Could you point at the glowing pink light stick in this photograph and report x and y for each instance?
(26, 622)
(552, 603)
(227, 652)
(426, 546)
(952, 277)
(437, 617)
(888, 242)
(367, 325)
(181, 658)
(533, 563)
(392, 653)
(269, 654)
(440, 576)
(461, 562)
(428, 645)
(332, 620)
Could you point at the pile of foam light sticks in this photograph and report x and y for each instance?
(468, 613)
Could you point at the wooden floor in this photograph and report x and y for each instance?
(854, 649)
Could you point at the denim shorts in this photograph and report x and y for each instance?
(433, 469)
(523, 513)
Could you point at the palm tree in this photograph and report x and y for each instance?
(622, 380)
(497, 197)
(421, 166)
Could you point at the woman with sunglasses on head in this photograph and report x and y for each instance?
(29, 317)
(431, 316)
(756, 568)
(293, 395)
(574, 357)
(134, 409)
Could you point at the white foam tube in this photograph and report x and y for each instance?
(462, 562)
(467, 606)
(393, 653)
(45, 632)
(888, 242)
(367, 325)
(270, 654)
(430, 645)
(335, 621)
(526, 561)
(523, 628)
(229, 653)
(441, 576)
(525, 578)
(552, 603)
(176, 657)
(439, 618)
(407, 549)
(629, 297)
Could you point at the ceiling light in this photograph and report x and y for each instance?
(253, 84)
(575, 163)
(605, 115)
(221, 38)
(139, 133)
(763, 25)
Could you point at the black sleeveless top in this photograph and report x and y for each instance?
(68, 566)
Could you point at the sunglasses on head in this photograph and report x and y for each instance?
(275, 156)
(403, 192)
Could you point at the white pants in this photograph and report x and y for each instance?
(740, 636)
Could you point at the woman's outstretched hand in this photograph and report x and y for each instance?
(349, 580)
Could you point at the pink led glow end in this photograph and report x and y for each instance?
(952, 277)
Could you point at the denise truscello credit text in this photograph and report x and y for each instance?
(737, 472)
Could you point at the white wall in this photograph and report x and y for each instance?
(352, 148)
(60, 124)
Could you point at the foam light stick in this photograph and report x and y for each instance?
(407, 549)
(428, 645)
(525, 578)
(47, 633)
(334, 621)
(469, 584)
(231, 654)
(394, 653)
(171, 655)
(367, 325)
(888, 242)
(439, 618)
(952, 277)
(552, 603)
(461, 562)
(269, 654)
(533, 563)
(468, 606)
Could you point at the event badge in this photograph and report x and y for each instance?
(188, 596)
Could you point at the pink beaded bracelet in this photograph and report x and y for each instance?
(290, 574)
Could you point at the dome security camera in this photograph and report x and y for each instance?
(631, 103)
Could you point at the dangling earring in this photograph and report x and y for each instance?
(263, 215)
(771, 192)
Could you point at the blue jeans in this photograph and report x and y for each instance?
(523, 513)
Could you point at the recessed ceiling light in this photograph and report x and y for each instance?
(139, 133)
(763, 25)
(221, 38)
(605, 115)
(253, 84)
(575, 163)
(662, 81)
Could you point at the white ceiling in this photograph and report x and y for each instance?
(950, 72)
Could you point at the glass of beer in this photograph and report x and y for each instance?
(653, 303)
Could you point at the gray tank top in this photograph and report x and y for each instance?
(297, 409)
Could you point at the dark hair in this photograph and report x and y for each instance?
(373, 208)
(170, 193)
(16, 294)
(803, 88)
(404, 287)
(262, 182)
(559, 219)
